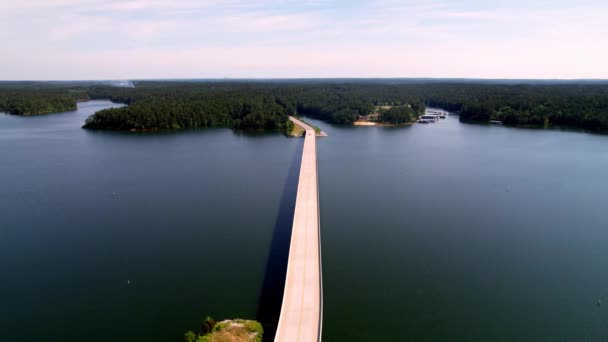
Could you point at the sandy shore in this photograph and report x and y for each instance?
(384, 124)
(365, 123)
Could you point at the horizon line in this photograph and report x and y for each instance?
(303, 78)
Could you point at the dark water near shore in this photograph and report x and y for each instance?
(110, 236)
(444, 232)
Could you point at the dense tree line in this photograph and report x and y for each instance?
(580, 105)
(176, 105)
(38, 101)
(266, 105)
(257, 112)
(398, 115)
(583, 106)
(335, 103)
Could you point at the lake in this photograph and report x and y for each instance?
(457, 232)
(108, 236)
(432, 232)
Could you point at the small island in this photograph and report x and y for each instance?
(234, 330)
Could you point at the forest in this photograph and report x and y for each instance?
(265, 105)
(20, 101)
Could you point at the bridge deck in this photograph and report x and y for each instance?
(302, 307)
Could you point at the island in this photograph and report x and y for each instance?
(234, 330)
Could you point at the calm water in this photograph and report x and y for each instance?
(454, 232)
(124, 237)
(439, 232)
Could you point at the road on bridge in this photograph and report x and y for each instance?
(302, 308)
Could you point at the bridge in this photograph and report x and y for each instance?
(302, 308)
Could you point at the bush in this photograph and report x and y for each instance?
(190, 336)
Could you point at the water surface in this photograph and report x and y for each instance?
(109, 236)
(430, 233)
(456, 232)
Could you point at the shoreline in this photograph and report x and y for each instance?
(364, 123)
(299, 131)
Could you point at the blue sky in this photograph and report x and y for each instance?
(112, 39)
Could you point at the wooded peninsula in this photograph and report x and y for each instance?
(266, 105)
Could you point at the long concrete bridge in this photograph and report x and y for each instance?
(302, 308)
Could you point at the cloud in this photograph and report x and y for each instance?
(285, 38)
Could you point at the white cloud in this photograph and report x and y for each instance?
(282, 38)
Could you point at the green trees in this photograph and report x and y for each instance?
(289, 126)
(266, 105)
(577, 105)
(36, 101)
(190, 336)
(207, 325)
(239, 111)
(476, 112)
(397, 115)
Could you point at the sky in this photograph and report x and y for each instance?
(144, 39)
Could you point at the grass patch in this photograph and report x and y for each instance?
(297, 131)
(234, 330)
(317, 129)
